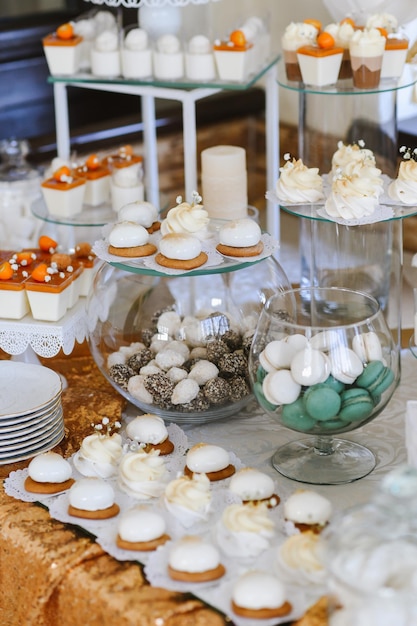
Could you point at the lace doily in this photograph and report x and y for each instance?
(100, 248)
(45, 338)
(134, 4)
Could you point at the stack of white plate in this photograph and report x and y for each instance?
(31, 418)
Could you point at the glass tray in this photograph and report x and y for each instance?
(183, 83)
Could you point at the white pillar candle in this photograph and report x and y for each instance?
(224, 182)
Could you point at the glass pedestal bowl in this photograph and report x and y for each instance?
(178, 345)
(323, 362)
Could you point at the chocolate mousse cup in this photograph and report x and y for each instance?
(366, 71)
(292, 68)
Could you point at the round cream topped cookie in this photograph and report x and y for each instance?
(307, 509)
(130, 240)
(259, 595)
(180, 251)
(194, 559)
(141, 528)
(150, 429)
(140, 212)
(252, 485)
(206, 458)
(48, 472)
(92, 498)
(240, 238)
(188, 499)
(99, 455)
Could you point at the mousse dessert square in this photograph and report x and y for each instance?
(105, 55)
(63, 51)
(49, 293)
(394, 57)
(342, 33)
(64, 193)
(168, 58)
(296, 35)
(97, 181)
(136, 54)
(234, 58)
(366, 51)
(14, 303)
(319, 66)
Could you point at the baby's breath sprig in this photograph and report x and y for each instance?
(106, 427)
(408, 153)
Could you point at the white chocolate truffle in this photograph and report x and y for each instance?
(203, 371)
(147, 428)
(141, 524)
(140, 212)
(185, 391)
(307, 507)
(91, 494)
(240, 233)
(203, 458)
(49, 467)
(128, 235)
(251, 484)
(180, 246)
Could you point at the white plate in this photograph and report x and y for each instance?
(35, 430)
(24, 445)
(43, 447)
(26, 421)
(40, 384)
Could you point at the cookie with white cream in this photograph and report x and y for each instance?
(240, 238)
(140, 212)
(209, 459)
(141, 529)
(48, 473)
(254, 486)
(150, 430)
(180, 251)
(194, 559)
(92, 498)
(259, 595)
(130, 240)
(307, 510)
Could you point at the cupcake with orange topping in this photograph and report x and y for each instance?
(64, 192)
(63, 50)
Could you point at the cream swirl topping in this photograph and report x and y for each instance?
(404, 188)
(186, 218)
(367, 43)
(352, 197)
(99, 455)
(248, 519)
(341, 33)
(383, 20)
(300, 553)
(298, 34)
(142, 474)
(348, 153)
(299, 183)
(193, 494)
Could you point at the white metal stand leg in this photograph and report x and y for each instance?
(190, 147)
(272, 149)
(62, 121)
(151, 149)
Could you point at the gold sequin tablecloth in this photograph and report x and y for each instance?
(52, 574)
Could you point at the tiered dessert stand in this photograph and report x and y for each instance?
(343, 113)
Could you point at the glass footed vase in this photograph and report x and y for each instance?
(323, 362)
(178, 345)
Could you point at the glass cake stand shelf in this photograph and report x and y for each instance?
(89, 216)
(311, 211)
(183, 83)
(345, 87)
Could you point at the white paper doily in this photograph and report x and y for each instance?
(45, 338)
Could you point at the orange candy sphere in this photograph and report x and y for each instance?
(237, 37)
(325, 41)
(65, 31)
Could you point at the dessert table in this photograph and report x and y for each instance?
(52, 573)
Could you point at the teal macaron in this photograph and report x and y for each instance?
(322, 402)
(376, 378)
(295, 416)
(357, 405)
